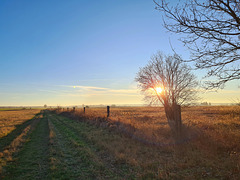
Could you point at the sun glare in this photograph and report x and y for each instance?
(159, 90)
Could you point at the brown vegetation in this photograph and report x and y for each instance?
(150, 123)
(137, 138)
(12, 141)
(11, 118)
(210, 147)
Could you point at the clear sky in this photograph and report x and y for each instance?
(73, 52)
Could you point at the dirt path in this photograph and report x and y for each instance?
(58, 149)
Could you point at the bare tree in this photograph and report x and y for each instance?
(167, 80)
(211, 30)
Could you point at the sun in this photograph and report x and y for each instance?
(159, 90)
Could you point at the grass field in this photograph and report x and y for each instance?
(133, 143)
(12, 118)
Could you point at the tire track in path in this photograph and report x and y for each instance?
(71, 157)
(119, 170)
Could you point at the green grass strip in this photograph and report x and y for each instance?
(79, 132)
(74, 157)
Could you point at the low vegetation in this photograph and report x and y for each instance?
(11, 118)
(133, 143)
(209, 148)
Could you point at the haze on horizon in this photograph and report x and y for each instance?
(83, 52)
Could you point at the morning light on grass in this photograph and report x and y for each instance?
(120, 89)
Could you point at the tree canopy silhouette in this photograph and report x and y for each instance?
(211, 30)
(167, 80)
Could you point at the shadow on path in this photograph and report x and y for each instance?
(6, 140)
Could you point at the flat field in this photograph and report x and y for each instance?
(11, 118)
(133, 143)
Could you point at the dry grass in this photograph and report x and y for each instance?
(150, 123)
(7, 154)
(9, 119)
(210, 148)
(137, 136)
(147, 123)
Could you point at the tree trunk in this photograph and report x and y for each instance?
(178, 119)
(173, 114)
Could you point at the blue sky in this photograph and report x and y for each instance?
(60, 52)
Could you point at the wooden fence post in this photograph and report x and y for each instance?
(84, 110)
(73, 108)
(108, 111)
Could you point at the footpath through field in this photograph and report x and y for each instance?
(57, 148)
(52, 146)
